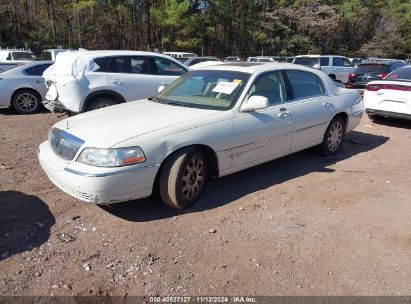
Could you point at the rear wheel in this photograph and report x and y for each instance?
(99, 102)
(26, 101)
(333, 137)
(183, 178)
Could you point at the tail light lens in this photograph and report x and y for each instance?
(382, 75)
(381, 86)
(351, 75)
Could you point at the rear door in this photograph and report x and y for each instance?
(312, 107)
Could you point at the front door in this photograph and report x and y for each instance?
(266, 134)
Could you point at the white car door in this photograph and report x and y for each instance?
(311, 106)
(131, 77)
(167, 70)
(264, 134)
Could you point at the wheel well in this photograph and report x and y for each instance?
(332, 76)
(211, 156)
(344, 116)
(25, 89)
(109, 94)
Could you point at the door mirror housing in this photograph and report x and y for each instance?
(161, 88)
(255, 103)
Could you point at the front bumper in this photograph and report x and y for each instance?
(115, 185)
(388, 114)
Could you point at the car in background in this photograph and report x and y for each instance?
(367, 72)
(289, 59)
(177, 55)
(81, 81)
(16, 56)
(232, 59)
(260, 59)
(197, 60)
(356, 61)
(391, 96)
(337, 67)
(50, 54)
(23, 87)
(210, 122)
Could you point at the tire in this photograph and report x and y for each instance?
(180, 188)
(26, 101)
(334, 137)
(99, 102)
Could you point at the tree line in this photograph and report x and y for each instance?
(215, 27)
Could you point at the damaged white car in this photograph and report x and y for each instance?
(81, 81)
(210, 122)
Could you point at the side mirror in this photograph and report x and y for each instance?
(160, 88)
(255, 103)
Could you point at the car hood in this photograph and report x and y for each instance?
(109, 126)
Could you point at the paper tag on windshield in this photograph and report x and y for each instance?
(225, 87)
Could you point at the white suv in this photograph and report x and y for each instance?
(337, 67)
(87, 80)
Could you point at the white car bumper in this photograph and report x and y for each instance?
(122, 184)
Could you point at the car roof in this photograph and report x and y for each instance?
(316, 56)
(252, 67)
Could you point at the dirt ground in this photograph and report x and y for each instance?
(299, 225)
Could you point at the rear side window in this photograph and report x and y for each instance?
(325, 61)
(305, 84)
(401, 73)
(30, 72)
(102, 64)
(343, 62)
(129, 65)
(167, 67)
(39, 69)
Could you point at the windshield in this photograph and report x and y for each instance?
(23, 56)
(402, 73)
(307, 61)
(217, 90)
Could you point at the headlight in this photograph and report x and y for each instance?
(111, 157)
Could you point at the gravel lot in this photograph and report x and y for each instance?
(299, 225)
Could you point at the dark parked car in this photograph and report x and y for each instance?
(367, 72)
(195, 60)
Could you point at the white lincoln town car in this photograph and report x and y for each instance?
(208, 123)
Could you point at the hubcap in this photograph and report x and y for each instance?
(335, 136)
(27, 102)
(193, 178)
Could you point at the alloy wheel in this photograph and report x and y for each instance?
(193, 178)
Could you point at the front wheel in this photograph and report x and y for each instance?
(183, 178)
(333, 137)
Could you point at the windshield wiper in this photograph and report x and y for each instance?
(154, 99)
(173, 103)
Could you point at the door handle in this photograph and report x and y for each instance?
(116, 81)
(327, 104)
(283, 114)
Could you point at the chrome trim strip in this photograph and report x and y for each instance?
(310, 127)
(120, 172)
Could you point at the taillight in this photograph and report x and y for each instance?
(397, 87)
(351, 75)
(382, 75)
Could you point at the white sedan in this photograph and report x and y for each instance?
(23, 87)
(210, 122)
(391, 96)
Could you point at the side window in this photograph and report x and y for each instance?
(325, 61)
(167, 67)
(305, 84)
(337, 61)
(102, 64)
(346, 62)
(39, 69)
(30, 72)
(129, 65)
(270, 85)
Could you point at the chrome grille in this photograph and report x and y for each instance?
(64, 144)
